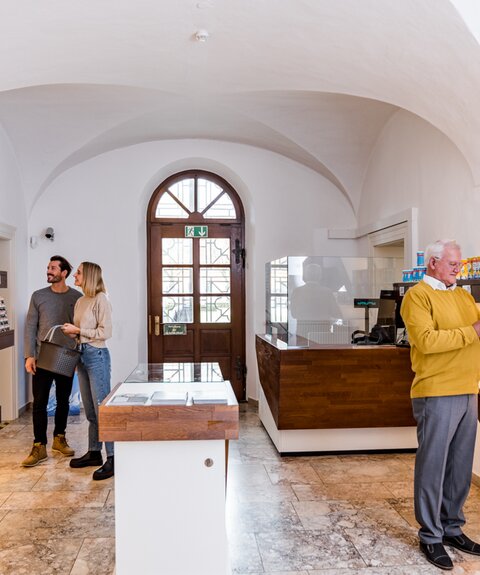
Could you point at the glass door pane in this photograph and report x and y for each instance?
(177, 309)
(214, 251)
(177, 251)
(214, 280)
(215, 309)
(177, 280)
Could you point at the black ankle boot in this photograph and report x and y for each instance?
(90, 459)
(105, 471)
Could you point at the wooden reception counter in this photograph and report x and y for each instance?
(328, 398)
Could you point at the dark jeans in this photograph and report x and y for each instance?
(41, 385)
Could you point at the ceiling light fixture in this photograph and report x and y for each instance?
(201, 35)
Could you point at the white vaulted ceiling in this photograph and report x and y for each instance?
(314, 80)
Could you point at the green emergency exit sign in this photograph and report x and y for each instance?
(196, 231)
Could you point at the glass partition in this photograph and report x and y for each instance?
(324, 299)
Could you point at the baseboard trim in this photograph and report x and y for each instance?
(25, 408)
(476, 480)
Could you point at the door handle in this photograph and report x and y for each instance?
(157, 325)
(149, 325)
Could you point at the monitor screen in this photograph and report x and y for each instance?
(398, 318)
(386, 308)
(386, 312)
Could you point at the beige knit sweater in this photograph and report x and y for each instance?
(93, 315)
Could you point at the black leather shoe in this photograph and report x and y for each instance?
(90, 459)
(463, 543)
(105, 471)
(436, 554)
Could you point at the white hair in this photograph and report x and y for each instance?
(437, 249)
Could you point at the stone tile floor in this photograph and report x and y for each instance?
(323, 515)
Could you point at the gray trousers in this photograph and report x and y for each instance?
(446, 431)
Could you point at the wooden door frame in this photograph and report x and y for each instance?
(152, 221)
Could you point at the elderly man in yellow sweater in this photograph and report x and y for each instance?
(443, 327)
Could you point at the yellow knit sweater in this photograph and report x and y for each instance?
(445, 349)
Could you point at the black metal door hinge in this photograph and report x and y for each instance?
(239, 253)
(241, 369)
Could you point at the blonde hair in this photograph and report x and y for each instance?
(92, 279)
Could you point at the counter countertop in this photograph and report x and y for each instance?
(302, 343)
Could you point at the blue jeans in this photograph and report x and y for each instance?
(94, 381)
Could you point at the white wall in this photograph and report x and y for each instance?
(415, 165)
(98, 211)
(13, 230)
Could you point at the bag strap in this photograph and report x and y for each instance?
(51, 333)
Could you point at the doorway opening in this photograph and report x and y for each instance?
(390, 242)
(196, 274)
(8, 349)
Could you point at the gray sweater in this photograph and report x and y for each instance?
(48, 308)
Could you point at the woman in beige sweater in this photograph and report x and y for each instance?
(92, 324)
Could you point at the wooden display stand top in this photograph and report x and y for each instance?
(168, 422)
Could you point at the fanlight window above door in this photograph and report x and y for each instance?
(195, 195)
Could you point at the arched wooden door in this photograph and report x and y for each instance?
(196, 274)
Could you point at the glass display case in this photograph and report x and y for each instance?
(178, 383)
(324, 299)
(176, 372)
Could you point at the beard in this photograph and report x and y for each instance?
(53, 279)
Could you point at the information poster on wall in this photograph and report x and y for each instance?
(4, 325)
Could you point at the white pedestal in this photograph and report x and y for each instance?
(170, 508)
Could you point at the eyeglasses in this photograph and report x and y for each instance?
(452, 265)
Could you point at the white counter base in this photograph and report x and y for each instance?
(324, 440)
(170, 508)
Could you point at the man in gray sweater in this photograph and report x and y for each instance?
(49, 306)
